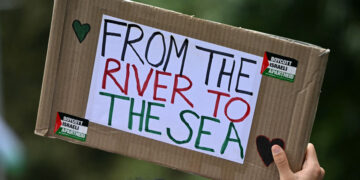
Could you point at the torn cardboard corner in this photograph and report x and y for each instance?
(186, 93)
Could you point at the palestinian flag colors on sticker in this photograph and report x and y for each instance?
(279, 67)
(71, 126)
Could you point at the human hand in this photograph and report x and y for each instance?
(311, 169)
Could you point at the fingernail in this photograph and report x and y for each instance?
(276, 149)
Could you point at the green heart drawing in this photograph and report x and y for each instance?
(81, 30)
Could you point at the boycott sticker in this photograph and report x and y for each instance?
(279, 67)
(174, 89)
(71, 126)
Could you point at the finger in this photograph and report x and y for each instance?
(322, 171)
(281, 162)
(311, 157)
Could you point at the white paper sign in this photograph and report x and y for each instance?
(175, 89)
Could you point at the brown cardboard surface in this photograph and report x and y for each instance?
(284, 110)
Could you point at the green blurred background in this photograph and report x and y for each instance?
(333, 24)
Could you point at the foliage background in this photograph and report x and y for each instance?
(333, 24)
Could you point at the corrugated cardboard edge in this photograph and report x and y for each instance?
(309, 95)
(51, 68)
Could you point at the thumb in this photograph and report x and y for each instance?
(281, 162)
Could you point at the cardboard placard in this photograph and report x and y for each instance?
(190, 94)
